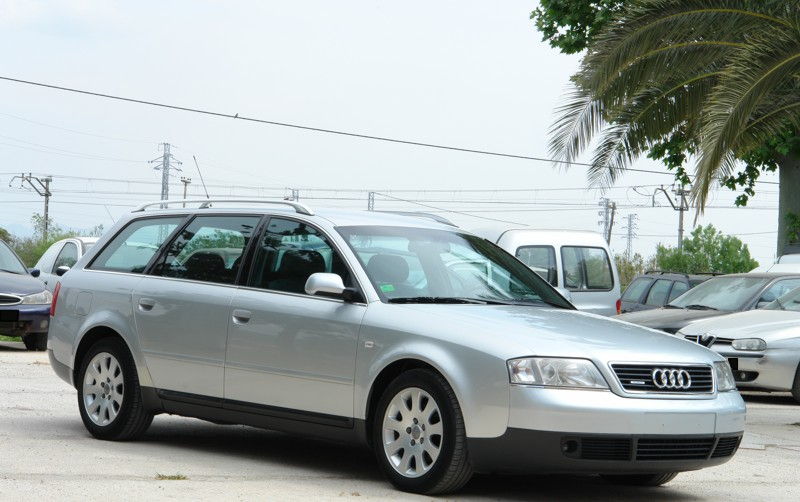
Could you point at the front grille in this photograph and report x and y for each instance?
(726, 447)
(639, 378)
(717, 341)
(10, 300)
(606, 448)
(674, 449)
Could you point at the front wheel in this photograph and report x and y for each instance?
(109, 396)
(640, 479)
(418, 434)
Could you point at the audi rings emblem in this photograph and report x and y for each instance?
(665, 378)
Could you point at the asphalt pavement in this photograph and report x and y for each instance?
(46, 454)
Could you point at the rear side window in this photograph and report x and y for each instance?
(779, 289)
(67, 257)
(289, 252)
(541, 259)
(209, 249)
(586, 269)
(678, 289)
(658, 293)
(133, 248)
(636, 290)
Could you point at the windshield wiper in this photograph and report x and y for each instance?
(698, 306)
(443, 299)
(671, 306)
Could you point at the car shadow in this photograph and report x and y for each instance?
(776, 398)
(333, 460)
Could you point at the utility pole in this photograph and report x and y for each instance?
(42, 187)
(681, 191)
(631, 228)
(295, 194)
(186, 181)
(608, 212)
(371, 201)
(165, 163)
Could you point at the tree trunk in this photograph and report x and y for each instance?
(788, 198)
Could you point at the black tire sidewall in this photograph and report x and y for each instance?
(35, 341)
(427, 381)
(130, 381)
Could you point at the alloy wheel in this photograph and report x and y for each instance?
(103, 389)
(412, 432)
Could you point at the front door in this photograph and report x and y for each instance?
(289, 351)
(182, 309)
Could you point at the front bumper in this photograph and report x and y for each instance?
(559, 430)
(21, 320)
(772, 370)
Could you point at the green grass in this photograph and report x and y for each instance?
(171, 477)
(4, 338)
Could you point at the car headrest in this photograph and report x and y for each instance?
(301, 262)
(388, 268)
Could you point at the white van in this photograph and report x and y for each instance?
(576, 261)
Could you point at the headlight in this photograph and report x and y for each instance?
(725, 381)
(556, 372)
(749, 344)
(43, 298)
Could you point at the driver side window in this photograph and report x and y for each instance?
(289, 252)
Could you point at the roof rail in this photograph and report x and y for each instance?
(662, 272)
(206, 203)
(421, 214)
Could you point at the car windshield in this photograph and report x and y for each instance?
(720, 293)
(417, 265)
(9, 261)
(789, 301)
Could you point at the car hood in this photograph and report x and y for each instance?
(18, 284)
(518, 331)
(769, 325)
(669, 320)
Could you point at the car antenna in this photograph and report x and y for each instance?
(201, 176)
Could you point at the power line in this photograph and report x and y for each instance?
(75, 131)
(237, 116)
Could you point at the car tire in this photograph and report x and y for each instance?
(796, 385)
(640, 479)
(36, 341)
(419, 406)
(109, 396)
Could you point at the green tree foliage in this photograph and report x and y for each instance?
(707, 250)
(5, 235)
(570, 25)
(670, 78)
(30, 249)
(628, 268)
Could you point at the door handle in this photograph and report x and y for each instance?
(241, 316)
(146, 304)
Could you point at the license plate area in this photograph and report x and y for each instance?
(9, 315)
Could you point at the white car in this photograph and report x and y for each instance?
(762, 346)
(61, 255)
(579, 264)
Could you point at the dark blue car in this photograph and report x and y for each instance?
(24, 301)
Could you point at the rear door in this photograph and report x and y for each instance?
(588, 275)
(289, 352)
(182, 309)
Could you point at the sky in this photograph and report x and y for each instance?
(470, 74)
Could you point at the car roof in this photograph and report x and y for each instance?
(762, 275)
(586, 237)
(334, 216)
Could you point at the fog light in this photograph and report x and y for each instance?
(569, 446)
(43, 324)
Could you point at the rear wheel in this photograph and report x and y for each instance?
(36, 341)
(640, 479)
(109, 396)
(418, 434)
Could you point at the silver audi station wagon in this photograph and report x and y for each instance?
(434, 347)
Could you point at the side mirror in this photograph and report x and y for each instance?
(35, 272)
(63, 269)
(324, 283)
(565, 293)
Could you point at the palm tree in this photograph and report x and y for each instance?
(722, 73)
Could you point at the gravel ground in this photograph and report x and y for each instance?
(45, 452)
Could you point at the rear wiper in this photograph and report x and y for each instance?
(697, 306)
(443, 299)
